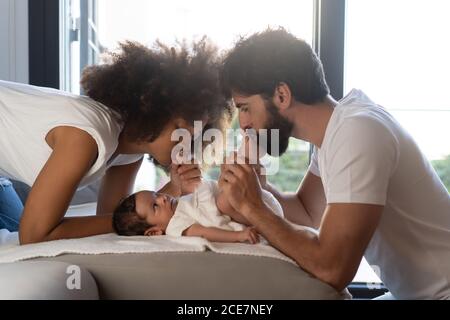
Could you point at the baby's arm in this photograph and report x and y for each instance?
(219, 235)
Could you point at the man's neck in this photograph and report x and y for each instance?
(311, 121)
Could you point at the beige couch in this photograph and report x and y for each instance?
(205, 275)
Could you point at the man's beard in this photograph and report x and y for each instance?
(276, 121)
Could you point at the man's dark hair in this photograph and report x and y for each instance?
(126, 221)
(148, 87)
(258, 64)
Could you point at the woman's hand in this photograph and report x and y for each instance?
(185, 177)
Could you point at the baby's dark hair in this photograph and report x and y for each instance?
(126, 221)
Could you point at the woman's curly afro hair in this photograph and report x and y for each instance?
(149, 87)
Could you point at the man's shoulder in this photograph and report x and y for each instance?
(363, 123)
(368, 133)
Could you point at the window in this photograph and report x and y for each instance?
(79, 36)
(403, 65)
(93, 26)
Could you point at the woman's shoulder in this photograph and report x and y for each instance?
(97, 113)
(64, 107)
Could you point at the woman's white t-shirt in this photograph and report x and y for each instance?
(28, 113)
(367, 157)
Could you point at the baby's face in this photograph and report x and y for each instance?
(156, 208)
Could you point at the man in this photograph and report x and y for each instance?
(369, 189)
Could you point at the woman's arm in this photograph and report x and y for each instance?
(219, 235)
(74, 152)
(117, 184)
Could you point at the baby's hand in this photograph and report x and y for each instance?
(249, 234)
(185, 177)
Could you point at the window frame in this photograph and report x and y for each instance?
(43, 30)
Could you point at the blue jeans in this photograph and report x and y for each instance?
(11, 207)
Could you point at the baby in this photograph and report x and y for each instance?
(200, 214)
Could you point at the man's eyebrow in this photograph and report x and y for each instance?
(242, 104)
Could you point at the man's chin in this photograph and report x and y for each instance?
(265, 146)
(279, 153)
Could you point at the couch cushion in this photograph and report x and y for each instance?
(205, 275)
(43, 280)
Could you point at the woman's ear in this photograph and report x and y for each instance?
(283, 96)
(181, 123)
(154, 231)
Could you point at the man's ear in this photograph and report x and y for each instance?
(282, 97)
(154, 231)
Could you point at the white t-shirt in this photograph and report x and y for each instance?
(367, 157)
(200, 207)
(28, 113)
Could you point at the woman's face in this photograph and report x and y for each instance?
(163, 145)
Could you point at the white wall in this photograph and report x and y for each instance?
(14, 40)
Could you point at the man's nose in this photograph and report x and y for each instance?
(244, 121)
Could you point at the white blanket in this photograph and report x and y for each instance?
(10, 251)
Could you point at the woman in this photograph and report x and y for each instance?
(57, 142)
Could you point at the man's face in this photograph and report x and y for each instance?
(257, 113)
(155, 208)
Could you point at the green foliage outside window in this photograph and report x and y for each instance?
(292, 167)
(294, 164)
(442, 168)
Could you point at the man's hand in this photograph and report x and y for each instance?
(249, 235)
(262, 177)
(241, 186)
(251, 154)
(185, 177)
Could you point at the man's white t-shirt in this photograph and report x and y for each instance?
(367, 157)
(29, 113)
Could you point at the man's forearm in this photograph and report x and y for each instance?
(293, 209)
(301, 244)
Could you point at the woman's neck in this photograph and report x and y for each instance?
(127, 147)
